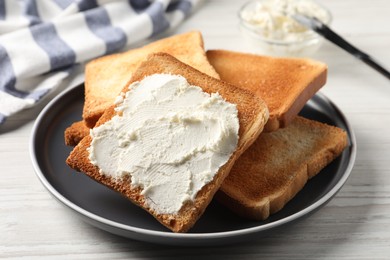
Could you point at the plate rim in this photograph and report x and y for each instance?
(89, 216)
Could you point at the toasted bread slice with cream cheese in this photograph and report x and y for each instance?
(252, 116)
(285, 84)
(278, 165)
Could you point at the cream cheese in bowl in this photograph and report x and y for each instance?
(270, 29)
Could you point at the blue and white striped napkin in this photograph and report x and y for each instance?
(41, 40)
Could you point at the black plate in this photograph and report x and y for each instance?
(108, 210)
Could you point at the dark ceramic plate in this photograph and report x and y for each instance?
(108, 210)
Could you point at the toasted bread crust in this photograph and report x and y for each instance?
(277, 166)
(285, 84)
(105, 77)
(75, 132)
(252, 114)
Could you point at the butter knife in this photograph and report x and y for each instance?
(322, 29)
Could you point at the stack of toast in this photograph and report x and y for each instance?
(268, 168)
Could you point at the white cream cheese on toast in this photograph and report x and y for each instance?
(170, 137)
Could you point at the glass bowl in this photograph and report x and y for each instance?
(275, 32)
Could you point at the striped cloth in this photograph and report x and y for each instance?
(42, 40)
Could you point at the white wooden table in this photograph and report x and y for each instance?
(354, 225)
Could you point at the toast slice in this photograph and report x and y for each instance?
(277, 166)
(252, 116)
(105, 77)
(285, 84)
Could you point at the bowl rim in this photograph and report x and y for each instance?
(311, 35)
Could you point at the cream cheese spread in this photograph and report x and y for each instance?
(272, 18)
(170, 137)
